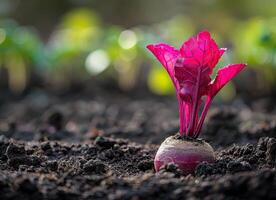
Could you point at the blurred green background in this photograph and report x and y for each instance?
(57, 44)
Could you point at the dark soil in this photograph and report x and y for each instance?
(103, 148)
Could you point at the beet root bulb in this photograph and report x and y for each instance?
(186, 154)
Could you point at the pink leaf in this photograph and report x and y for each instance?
(223, 77)
(190, 69)
(167, 56)
(201, 50)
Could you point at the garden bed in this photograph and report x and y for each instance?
(102, 147)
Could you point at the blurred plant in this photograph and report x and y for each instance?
(78, 32)
(255, 41)
(97, 61)
(81, 47)
(125, 53)
(159, 82)
(20, 49)
(174, 30)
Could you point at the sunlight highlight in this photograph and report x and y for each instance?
(127, 39)
(97, 61)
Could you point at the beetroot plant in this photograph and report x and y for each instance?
(190, 68)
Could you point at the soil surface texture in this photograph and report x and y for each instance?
(102, 147)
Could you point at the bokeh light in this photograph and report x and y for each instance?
(76, 42)
(97, 61)
(127, 39)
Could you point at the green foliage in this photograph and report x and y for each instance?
(159, 82)
(176, 29)
(255, 42)
(81, 45)
(75, 35)
(20, 41)
(20, 49)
